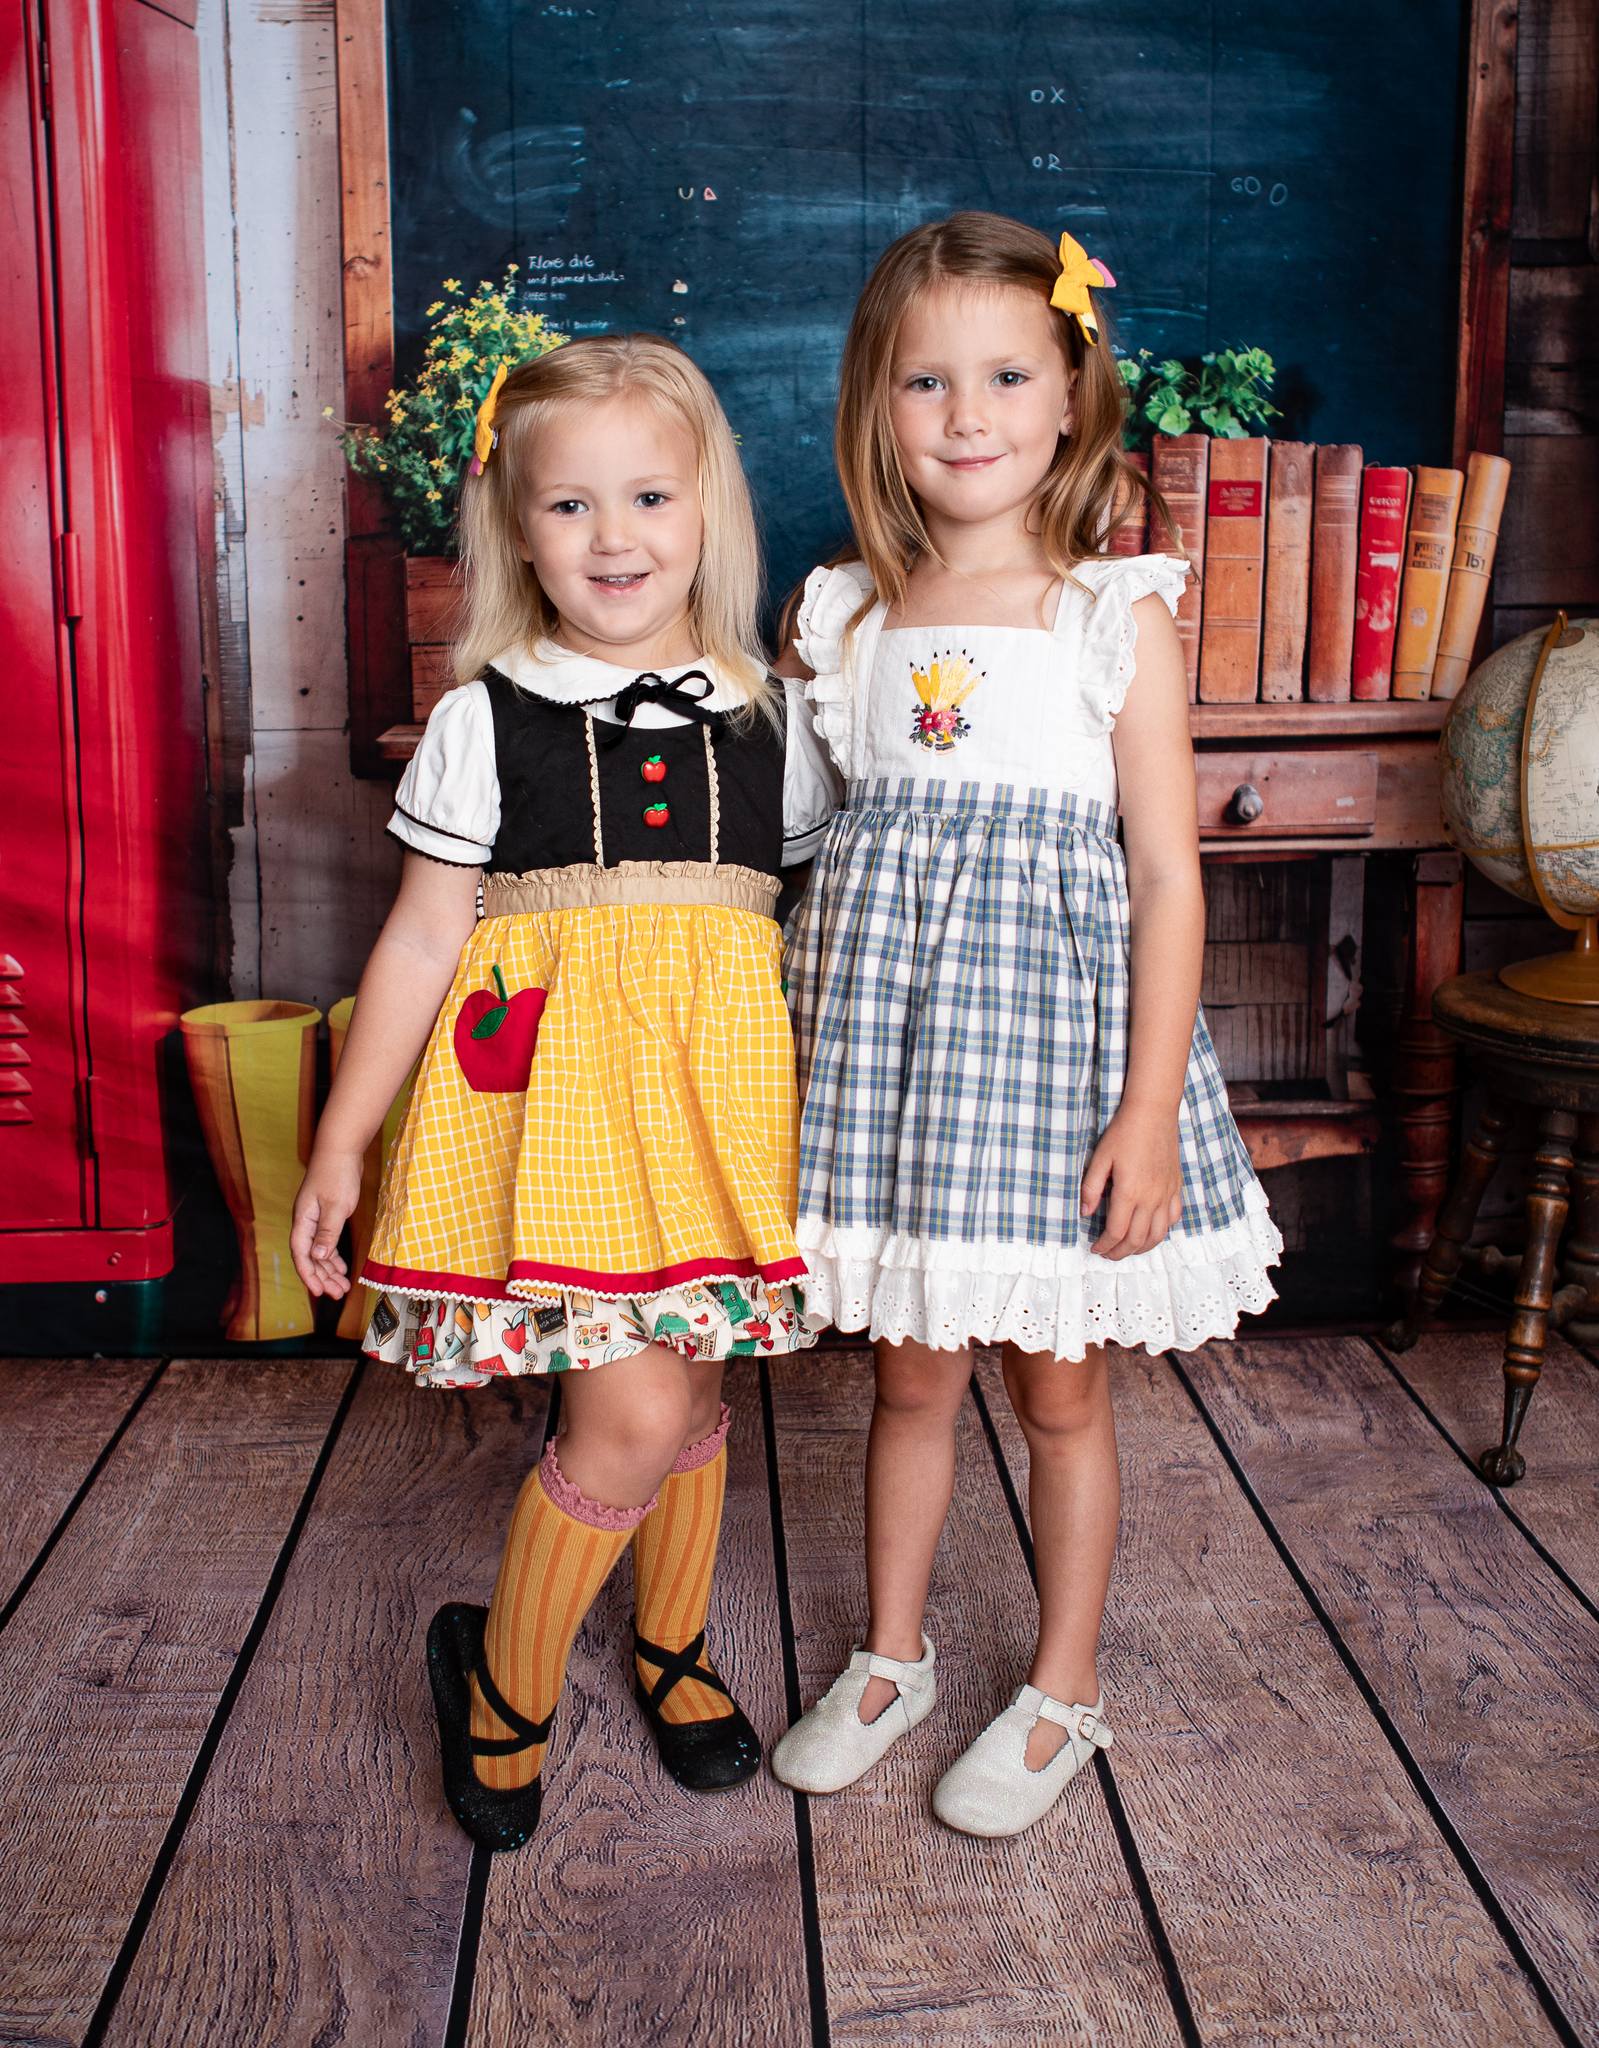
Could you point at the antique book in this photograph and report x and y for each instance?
(1429, 549)
(1178, 467)
(1287, 612)
(1335, 522)
(1476, 540)
(1129, 537)
(1235, 571)
(1384, 508)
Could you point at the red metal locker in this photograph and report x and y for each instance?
(105, 447)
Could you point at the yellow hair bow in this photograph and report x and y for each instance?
(1078, 272)
(484, 436)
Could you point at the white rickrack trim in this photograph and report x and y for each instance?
(594, 787)
(716, 796)
(441, 1294)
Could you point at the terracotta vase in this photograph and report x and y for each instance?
(252, 1066)
(358, 1303)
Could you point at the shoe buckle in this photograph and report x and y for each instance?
(1087, 1725)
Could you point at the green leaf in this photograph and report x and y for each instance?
(491, 1020)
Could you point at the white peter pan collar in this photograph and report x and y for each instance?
(561, 677)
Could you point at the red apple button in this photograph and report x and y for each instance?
(657, 814)
(495, 1034)
(654, 769)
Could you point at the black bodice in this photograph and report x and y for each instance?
(546, 806)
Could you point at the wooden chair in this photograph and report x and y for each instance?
(1543, 1056)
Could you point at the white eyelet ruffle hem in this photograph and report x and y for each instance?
(1188, 1290)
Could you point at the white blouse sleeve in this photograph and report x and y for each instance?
(448, 801)
(832, 598)
(1109, 650)
(813, 789)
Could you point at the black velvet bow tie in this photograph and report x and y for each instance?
(651, 688)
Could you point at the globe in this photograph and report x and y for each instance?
(1521, 796)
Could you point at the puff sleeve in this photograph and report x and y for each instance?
(813, 788)
(448, 802)
(832, 598)
(1109, 648)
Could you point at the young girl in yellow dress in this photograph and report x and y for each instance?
(596, 1174)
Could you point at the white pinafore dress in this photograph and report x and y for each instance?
(958, 977)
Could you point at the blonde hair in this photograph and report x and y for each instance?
(504, 605)
(1091, 488)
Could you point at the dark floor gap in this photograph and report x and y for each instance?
(1498, 1492)
(193, 1786)
(107, 1451)
(1472, 1871)
(1159, 1941)
(810, 1918)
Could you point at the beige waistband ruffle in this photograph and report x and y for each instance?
(586, 887)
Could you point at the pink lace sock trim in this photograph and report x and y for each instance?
(575, 1503)
(693, 1456)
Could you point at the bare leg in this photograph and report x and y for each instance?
(1074, 1494)
(623, 1424)
(910, 1475)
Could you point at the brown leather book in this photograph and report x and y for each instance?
(1335, 523)
(1429, 548)
(1235, 571)
(1179, 464)
(1129, 537)
(1476, 542)
(1287, 614)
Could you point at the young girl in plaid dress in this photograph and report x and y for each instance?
(596, 1172)
(1014, 1129)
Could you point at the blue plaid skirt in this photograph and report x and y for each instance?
(958, 974)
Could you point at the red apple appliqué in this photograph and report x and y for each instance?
(494, 1037)
(657, 814)
(654, 769)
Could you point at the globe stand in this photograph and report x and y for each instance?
(1573, 976)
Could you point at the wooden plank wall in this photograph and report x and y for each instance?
(311, 869)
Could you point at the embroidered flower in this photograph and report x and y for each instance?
(942, 687)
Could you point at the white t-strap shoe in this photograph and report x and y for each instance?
(990, 1791)
(831, 1746)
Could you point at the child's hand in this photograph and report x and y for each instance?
(1138, 1156)
(327, 1197)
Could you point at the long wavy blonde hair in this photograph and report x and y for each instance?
(502, 603)
(1091, 488)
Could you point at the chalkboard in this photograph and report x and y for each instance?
(726, 171)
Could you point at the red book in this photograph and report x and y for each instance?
(1333, 541)
(1282, 651)
(1384, 508)
(1178, 467)
(1235, 568)
(1129, 537)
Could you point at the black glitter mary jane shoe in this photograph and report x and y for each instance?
(703, 1756)
(494, 1820)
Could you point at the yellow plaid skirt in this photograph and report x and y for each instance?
(606, 1107)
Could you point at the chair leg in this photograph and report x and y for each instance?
(1479, 1157)
(1580, 1265)
(1547, 1202)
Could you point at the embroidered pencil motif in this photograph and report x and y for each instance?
(942, 688)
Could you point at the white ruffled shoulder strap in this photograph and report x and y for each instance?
(832, 598)
(1103, 624)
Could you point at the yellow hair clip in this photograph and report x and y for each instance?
(484, 436)
(1078, 273)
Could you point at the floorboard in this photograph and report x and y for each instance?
(1481, 1657)
(1233, 1711)
(1458, 1375)
(60, 1415)
(643, 1912)
(929, 1936)
(316, 1896)
(113, 1665)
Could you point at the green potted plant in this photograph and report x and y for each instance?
(1224, 391)
(419, 457)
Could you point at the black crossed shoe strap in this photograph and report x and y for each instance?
(527, 1732)
(676, 1664)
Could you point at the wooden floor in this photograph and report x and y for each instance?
(1352, 1798)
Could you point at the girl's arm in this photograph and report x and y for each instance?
(1138, 1153)
(406, 981)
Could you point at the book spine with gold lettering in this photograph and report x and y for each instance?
(1178, 467)
(1334, 528)
(1235, 571)
(1476, 540)
(1429, 549)
(1287, 615)
(1384, 508)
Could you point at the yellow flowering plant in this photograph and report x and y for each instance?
(420, 457)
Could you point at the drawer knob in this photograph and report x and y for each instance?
(1245, 805)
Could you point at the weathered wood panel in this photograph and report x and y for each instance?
(1463, 1633)
(927, 1935)
(116, 1659)
(642, 1912)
